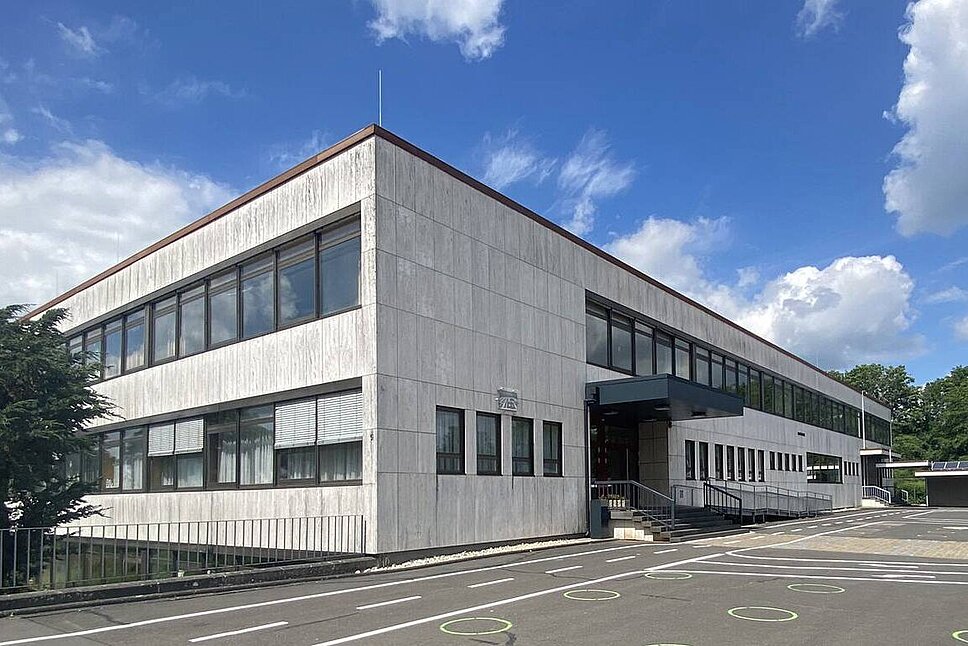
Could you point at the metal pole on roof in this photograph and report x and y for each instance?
(863, 424)
(380, 96)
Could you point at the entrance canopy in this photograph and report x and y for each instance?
(659, 398)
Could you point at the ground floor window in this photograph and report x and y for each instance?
(761, 466)
(824, 468)
(339, 462)
(731, 462)
(551, 444)
(522, 447)
(690, 460)
(703, 461)
(450, 441)
(741, 463)
(719, 461)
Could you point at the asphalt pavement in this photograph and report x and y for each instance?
(783, 583)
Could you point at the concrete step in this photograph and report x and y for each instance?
(693, 537)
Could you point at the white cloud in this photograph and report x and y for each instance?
(191, 90)
(10, 136)
(285, 156)
(747, 277)
(589, 174)
(512, 159)
(94, 84)
(950, 295)
(928, 189)
(78, 211)
(817, 15)
(473, 24)
(79, 40)
(851, 311)
(55, 122)
(961, 328)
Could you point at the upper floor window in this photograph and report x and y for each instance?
(163, 315)
(112, 349)
(297, 282)
(644, 354)
(663, 354)
(258, 297)
(701, 371)
(621, 342)
(716, 373)
(683, 359)
(223, 308)
(596, 335)
(191, 321)
(134, 340)
(339, 267)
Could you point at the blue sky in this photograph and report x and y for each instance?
(801, 165)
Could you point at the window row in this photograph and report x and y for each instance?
(851, 468)
(785, 461)
(625, 344)
(450, 444)
(303, 442)
(317, 275)
(824, 468)
(729, 462)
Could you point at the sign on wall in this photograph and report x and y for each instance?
(507, 400)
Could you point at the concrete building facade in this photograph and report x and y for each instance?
(376, 333)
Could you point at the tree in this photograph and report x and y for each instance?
(892, 385)
(45, 402)
(946, 415)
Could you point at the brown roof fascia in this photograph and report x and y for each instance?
(375, 130)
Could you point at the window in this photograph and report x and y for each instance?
(772, 461)
(551, 445)
(297, 282)
(683, 359)
(161, 457)
(730, 462)
(596, 335)
(621, 342)
(786, 461)
(111, 460)
(339, 267)
(91, 462)
(450, 441)
(703, 461)
(702, 365)
(93, 351)
(295, 442)
(133, 459)
(163, 330)
(768, 398)
(488, 444)
(754, 394)
(644, 360)
(716, 374)
(75, 347)
(663, 354)
(522, 447)
(741, 463)
(751, 464)
(255, 446)
(800, 463)
(788, 400)
(731, 376)
(223, 449)
(340, 436)
(760, 465)
(223, 308)
(191, 321)
(189, 459)
(719, 461)
(742, 382)
(690, 460)
(258, 297)
(823, 468)
(112, 349)
(799, 404)
(134, 340)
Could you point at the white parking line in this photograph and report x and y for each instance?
(388, 603)
(793, 531)
(774, 575)
(238, 632)
(564, 569)
(674, 549)
(495, 582)
(621, 558)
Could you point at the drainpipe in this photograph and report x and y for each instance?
(588, 468)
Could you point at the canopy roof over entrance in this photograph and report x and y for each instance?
(660, 398)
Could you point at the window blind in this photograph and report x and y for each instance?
(161, 440)
(340, 417)
(295, 424)
(189, 435)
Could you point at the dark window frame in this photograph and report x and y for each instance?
(516, 460)
(557, 469)
(460, 455)
(497, 419)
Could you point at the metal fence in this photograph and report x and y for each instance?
(764, 501)
(37, 558)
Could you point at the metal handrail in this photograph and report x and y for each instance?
(719, 500)
(35, 558)
(878, 493)
(635, 496)
(781, 501)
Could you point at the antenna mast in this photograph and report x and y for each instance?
(380, 96)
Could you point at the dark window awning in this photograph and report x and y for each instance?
(660, 398)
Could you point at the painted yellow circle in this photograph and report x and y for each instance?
(735, 612)
(665, 575)
(446, 626)
(960, 635)
(592, 595)
(818, 588)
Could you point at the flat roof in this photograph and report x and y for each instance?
(374, 130)
(938, 474)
